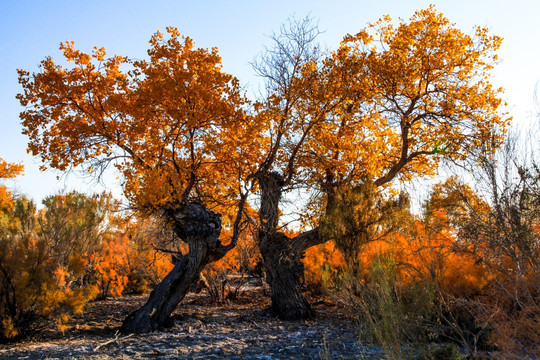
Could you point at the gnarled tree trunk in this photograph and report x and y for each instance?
(284, 270)
(282, 255)
(200, 228)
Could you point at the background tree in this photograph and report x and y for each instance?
(362, 215)
(173, 126)
(391, 103)
(7, 171)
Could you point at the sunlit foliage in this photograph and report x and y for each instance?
(7, 171)
(394, 100)
(168, 124)
(54, 260)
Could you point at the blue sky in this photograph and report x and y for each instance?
(32, 30)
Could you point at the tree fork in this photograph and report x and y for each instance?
(284, 270)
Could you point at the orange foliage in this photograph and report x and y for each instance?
(110, 265)
(323, 264)
(435, 257)
(419, 258)
(34, 282)
(400, 98)
(162, 123)
(7, 171)
(147, 266)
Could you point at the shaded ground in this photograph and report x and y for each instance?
(201, 330)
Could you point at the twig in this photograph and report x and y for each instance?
(116, 339)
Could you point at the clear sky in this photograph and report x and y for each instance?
(32, 30)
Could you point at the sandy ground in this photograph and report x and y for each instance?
(241, 329)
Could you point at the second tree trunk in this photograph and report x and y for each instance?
(284, 271)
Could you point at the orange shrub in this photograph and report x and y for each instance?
(146, 265)
(53, 261)
(109, 265)
(323, 265)
(34, 283)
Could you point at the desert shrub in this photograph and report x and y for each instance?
(499, 235)
(77, 248)
(146, 267)
(324, 267)
(406, 277)
(432, 255)
(507, 246)
(34, 283)
(53, 261)
(109, 265)
(392, 311)
(152, 247)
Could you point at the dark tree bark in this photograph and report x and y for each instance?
(282, 255)
(200, 228)
(284, 270)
